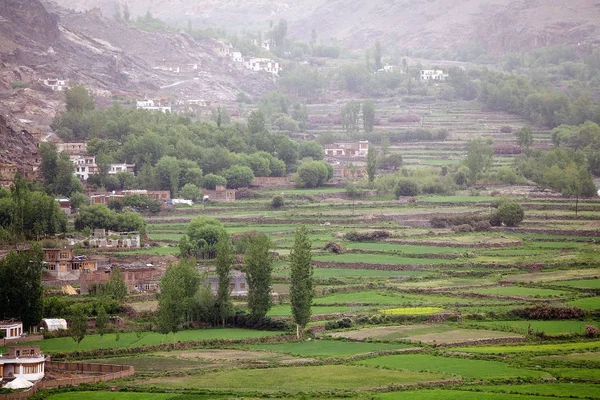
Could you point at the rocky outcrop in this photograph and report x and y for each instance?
(19, 145)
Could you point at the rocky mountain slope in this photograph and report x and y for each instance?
(499, 25)
(107, 56)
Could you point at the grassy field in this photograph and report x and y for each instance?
(588, 303)
(522, 292)
(532, 348)
(583, 283)
(548, 327)
(426, 333)
(440, 394)
(466, 368)
(285, 310)
(296, 379)
(572, 389)
(329, 348)
(574, 357)
(129, 340)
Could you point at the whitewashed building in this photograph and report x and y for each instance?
(433, 75)
(152, 105)
(11, 329)
(56, 84)
(25, 362)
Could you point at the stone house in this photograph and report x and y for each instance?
(56, 84)
(348, 149)
(62, 264)
(7, 174)
(138, 280)
(73, 148)
(220, 194)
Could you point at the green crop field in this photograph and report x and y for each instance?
(532, 348)
(329, 348)
(549, 327)
(464, 367)
(522, 292)
(572, 389)
(588, 303)
(129, 340)
(574, 357)
(440, 394)
(583, 283)
(295, 379)
(285, 310)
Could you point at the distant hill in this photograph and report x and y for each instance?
(498, 25)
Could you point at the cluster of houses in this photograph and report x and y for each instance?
(348, 159)
(433, 75)
(256, 64)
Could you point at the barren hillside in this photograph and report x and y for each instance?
(500, 25)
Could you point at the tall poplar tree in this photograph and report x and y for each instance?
(224, 263)
(301, 289)
(258, 267)
(371, 163)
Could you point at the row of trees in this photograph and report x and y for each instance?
(186, 296)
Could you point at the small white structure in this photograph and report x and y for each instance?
(86, 166)
(11, 329)
(18, 383)
(152, 105)
(22, 362)
(433, 75)
(54, 324)
(262, 64)
(56, 84)
(237, 57)
(182, 201)
(387, 68)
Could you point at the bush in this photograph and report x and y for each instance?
(277, 202)
(507, 175)
(445, 221)
(339, 324)
(508, 214)
(506, 129)
(367, 236)
(19, 85)
(546, 312)
(463, 228)
(333, 247)
(406, 188)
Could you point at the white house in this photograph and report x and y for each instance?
(56, 84)
(433, 75)
(11, 329)
(25, 362)
(152, 105)
(262, 64)
(237, 57)
(86, 166)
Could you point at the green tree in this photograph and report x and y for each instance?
(479, 158)
(258, 267)
(301, 288)
(368, 114)
(78, 99)
(168, 170)
(224, 263)
(79, 324)
(211, 181)
(371, 163)
(378, 55)
(256, 122)
(238, 176)
(524, 138)
(189, 191)
(21, 288)
(116, 287)
(49, 160)
(406, 188)
(509, 213)
(101, 321)
(178, 286)
(350, 117)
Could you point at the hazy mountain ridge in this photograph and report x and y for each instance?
(498, 25)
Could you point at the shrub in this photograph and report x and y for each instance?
(546, 312)
(406, 188)
(367, 236)
(481, 226)
(463, 228)
(445, 221)
(19, 85)
(339, 324)
(506, 129)
(333, 247)
(591, 331)
(508, 214)
(404, 118)
(277, 201)
(507, 175)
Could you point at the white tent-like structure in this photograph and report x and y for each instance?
(18, 383)
(52, 325)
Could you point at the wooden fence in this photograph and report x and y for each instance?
(105, 373)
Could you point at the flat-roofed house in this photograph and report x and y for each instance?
(26, 362)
